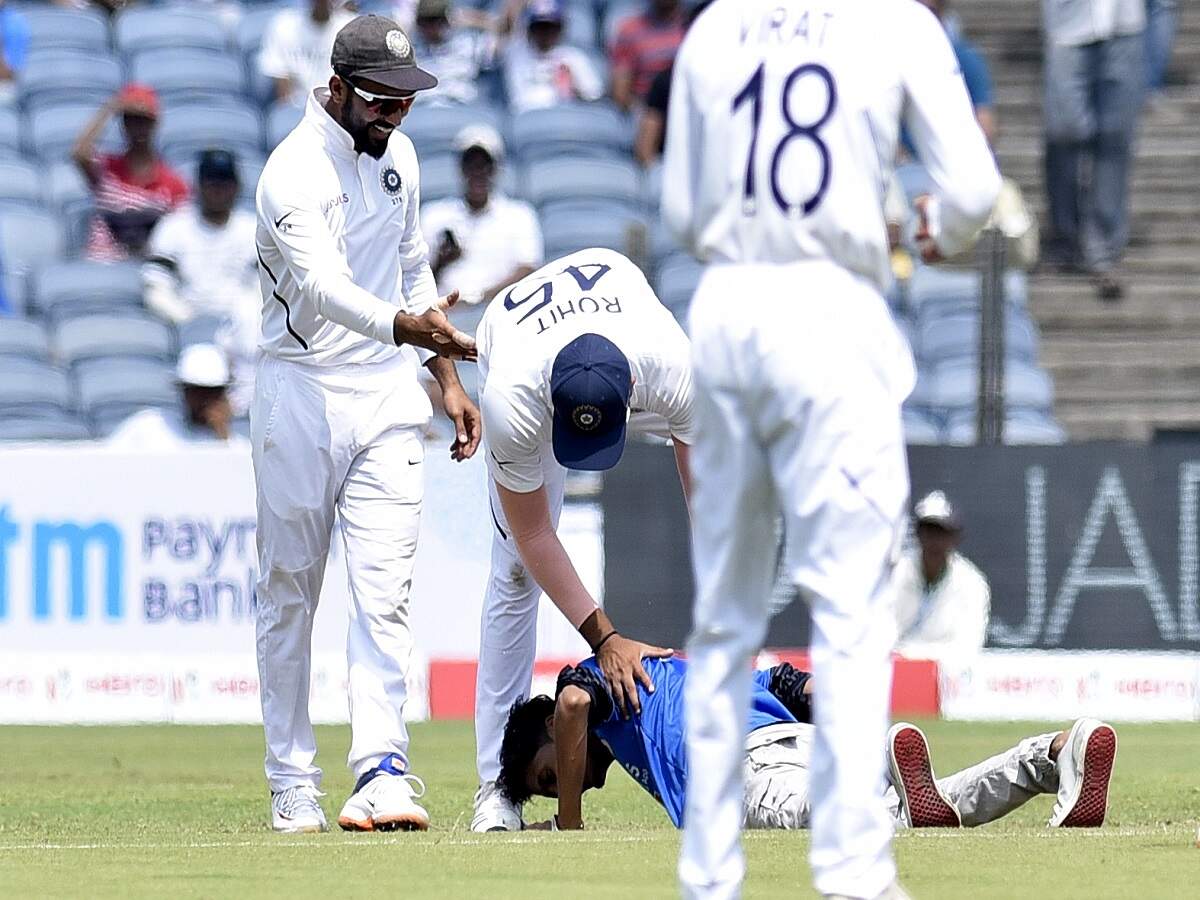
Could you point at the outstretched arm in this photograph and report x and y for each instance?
(570, 746)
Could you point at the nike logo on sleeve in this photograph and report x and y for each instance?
(279, 222)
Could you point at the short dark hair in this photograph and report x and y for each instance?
(524, 734)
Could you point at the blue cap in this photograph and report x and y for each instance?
(545, 10)
(589, 390)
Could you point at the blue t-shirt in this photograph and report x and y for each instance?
(651, 746)
(976, 76)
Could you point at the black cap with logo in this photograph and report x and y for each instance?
(376, 48)
(217, 165)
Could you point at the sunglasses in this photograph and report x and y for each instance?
(387, 102)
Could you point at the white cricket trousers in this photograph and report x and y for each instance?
(325, 441)
(799, 376)
(508, 628)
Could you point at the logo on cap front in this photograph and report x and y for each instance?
(390, 179)
(586, 418)
(398, 43)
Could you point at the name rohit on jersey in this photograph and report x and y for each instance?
(552, 315)
(783, 25)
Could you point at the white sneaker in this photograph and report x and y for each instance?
(892, 892)
(385, 800)
(921, 800)
(494, 812)
(1085, 765)
(295, 810)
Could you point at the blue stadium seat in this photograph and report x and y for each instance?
(1021, 426)
(20, 183)
(957, 336)
(572, 230)
(434, 129)
(923, 392)
(200, 330)
(191, 128)
(580, 28)
(581, 129)
(109, 390)
(51, 26)
(68, 76)
(189, 75)
(29, 387)
(58, 426)
(572, 178)
(113, 334)
(53, 128)
(441, 177)
(66, 187)
(11, 128)
(281, 119)
(921, 428)
(28, 238)
(252, 27)
(148, 27)
(956, 386)
(24, 338)
(76, 287)
(941, 291)
(677, 279)
(662, 243)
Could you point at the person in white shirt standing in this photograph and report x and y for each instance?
(296, 46)
(482, 241)
(349, 312)
(942, 599)
(572, 358)
(781, 135)
(200, 261)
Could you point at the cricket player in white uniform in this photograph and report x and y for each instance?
(349, 312)
(780, 140)
(571, 357)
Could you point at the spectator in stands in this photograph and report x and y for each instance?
(203, 417)
(541, 71)
(454, 53)
(645, 45)
(483, 240)
(942, 599)
(652, 123)
(132, 189)
(1162, 18)
(297, 46)
(975, 72)
(1094, 85)
(14, 47)
(201, 261)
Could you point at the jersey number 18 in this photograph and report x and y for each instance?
(752, 93)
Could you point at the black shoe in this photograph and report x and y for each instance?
(1109, 288)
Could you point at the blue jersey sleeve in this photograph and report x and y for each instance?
(975, 74)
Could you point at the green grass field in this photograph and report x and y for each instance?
(174, 811)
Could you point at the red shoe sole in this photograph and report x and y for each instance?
(1098, 757)
(393, 823)
(926, 806)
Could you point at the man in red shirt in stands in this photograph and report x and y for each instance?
(132, 189)
(644, 46)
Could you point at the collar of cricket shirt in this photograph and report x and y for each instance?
(336, 138)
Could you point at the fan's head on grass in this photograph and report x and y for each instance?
(526, 732)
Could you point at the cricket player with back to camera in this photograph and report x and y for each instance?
(571, 359)
(781, 136)
(349, 312)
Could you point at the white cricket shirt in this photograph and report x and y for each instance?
(340, 248)
(593, 291)
(783, 128)
(297, 48)
(496, 240)
(946, 621)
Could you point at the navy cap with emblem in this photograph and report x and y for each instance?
(376, 48)
(590, 385)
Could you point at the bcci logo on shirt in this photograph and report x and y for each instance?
(586, 418)
(390, 179)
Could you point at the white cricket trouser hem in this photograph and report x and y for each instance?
(799, 377)
(508, 626)
(326, 443)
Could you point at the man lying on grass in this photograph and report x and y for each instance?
(562, 747)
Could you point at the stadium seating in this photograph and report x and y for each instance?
(281, 119)
(109, 390)
(53, 129)
(62, 76)
(580, 129)
(80, 287)
(921, 428)
(943, 291)
(1021, 426)
(568, 230)
(28, 238)
(569, 178)
(957, 336)
(189, 75)
(441, 177)
(20, 183)
(678, 277)
(11, 129)
(24, 338)
(52, 26)
(57, 426)
(31, 387)
(148, 27)
(434, 130)
(956, 386)
(190, 128)
(113, 335)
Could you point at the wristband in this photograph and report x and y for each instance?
(600, 643)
